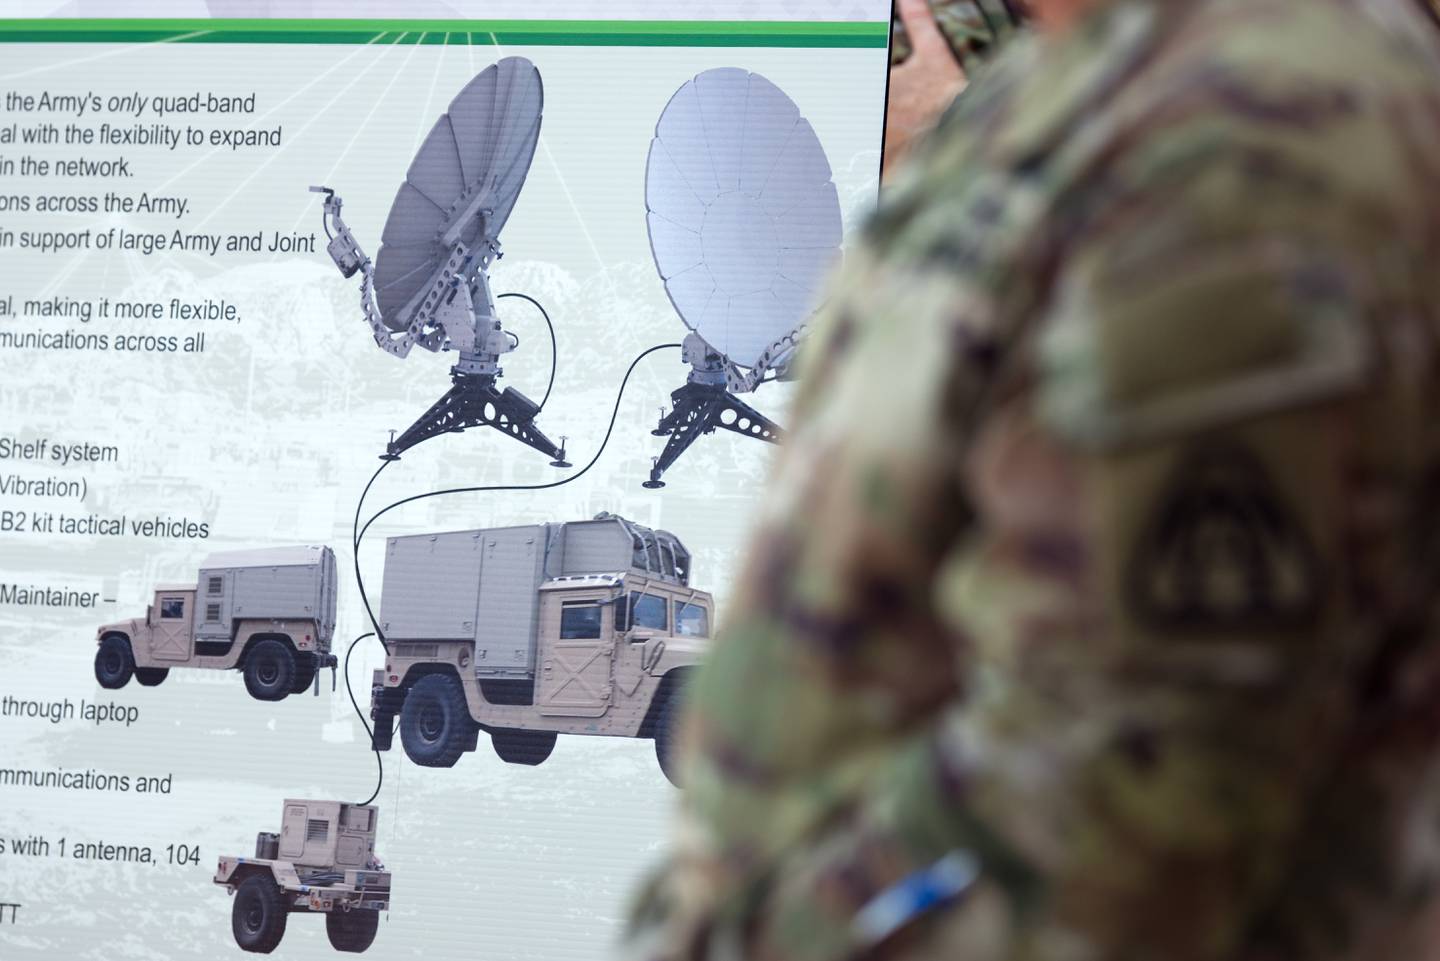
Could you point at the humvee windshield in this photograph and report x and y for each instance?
(648, 611)
(691, 620)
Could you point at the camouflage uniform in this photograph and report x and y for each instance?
(1092, 610)
(973, 27)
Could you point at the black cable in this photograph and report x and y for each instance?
(360, 581)
(554, 350)
(324, 879)
(364, 721)
(355, 536)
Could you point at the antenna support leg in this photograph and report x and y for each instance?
(473, 401)
(697, 410)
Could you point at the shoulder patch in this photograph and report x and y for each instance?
(1223, 552)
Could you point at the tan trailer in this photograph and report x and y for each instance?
(321, 862)
(526, 633)
(268, 613)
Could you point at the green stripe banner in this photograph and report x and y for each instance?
(567, 33)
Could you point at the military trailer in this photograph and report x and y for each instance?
(526, 633)
(268, 613)
(322, 862)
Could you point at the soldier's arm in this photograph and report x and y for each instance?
(1183, 532)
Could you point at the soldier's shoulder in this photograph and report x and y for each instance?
(1265, 165)
(1328, 91)
(1359, 42)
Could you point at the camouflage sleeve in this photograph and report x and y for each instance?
(1156, 597)
(1139, 566)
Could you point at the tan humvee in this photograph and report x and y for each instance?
(322, 861)
(269, 613)
(526, 633)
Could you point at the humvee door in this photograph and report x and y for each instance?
(574, 678)
(171, 634)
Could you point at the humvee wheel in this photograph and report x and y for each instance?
(352, 930)
(114, 664)
(305, 671)
(258, 915)
(522, 747)
(435, 724)
(667, 731)
(269, 671)
(151, 676)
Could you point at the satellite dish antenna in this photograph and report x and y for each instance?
(744, 224)
(430, 283)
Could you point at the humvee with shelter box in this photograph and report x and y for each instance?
(322, 862)
(269, 613)
(586, 628)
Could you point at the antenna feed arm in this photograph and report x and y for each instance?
(343, 248)
(351, 259)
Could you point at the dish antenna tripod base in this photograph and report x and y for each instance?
(473, 401)
(698, 410)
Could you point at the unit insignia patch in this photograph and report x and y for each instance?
(1223, 551)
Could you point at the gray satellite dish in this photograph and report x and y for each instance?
(744, 224)
(430, 283)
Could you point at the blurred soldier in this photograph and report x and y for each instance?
(971, 29)
(934, 43)
(1093, 610)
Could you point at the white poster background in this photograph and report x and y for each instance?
(270, 435)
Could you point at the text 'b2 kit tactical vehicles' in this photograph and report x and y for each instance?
(322, 862)
(269, 613)
(587, 627)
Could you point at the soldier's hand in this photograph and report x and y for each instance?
(921, 87)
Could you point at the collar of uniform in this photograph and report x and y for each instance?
(1073, 74)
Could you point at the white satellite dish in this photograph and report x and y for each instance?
(744, 224)
(430, 283)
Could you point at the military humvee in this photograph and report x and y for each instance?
(269, 613)
(322, 861)
(526, 633)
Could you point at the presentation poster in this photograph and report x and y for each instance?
(384, 410)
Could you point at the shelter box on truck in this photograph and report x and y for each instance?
(584, 627)
(269, 613)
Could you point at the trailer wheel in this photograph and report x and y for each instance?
(667, 730)
(352, 931)
(305, 671)
(151, 676)
(269, 671)
(522, 747)
(114, 664)
(435, 724)
(258, 915)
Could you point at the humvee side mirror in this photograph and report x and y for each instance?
(149, 613)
